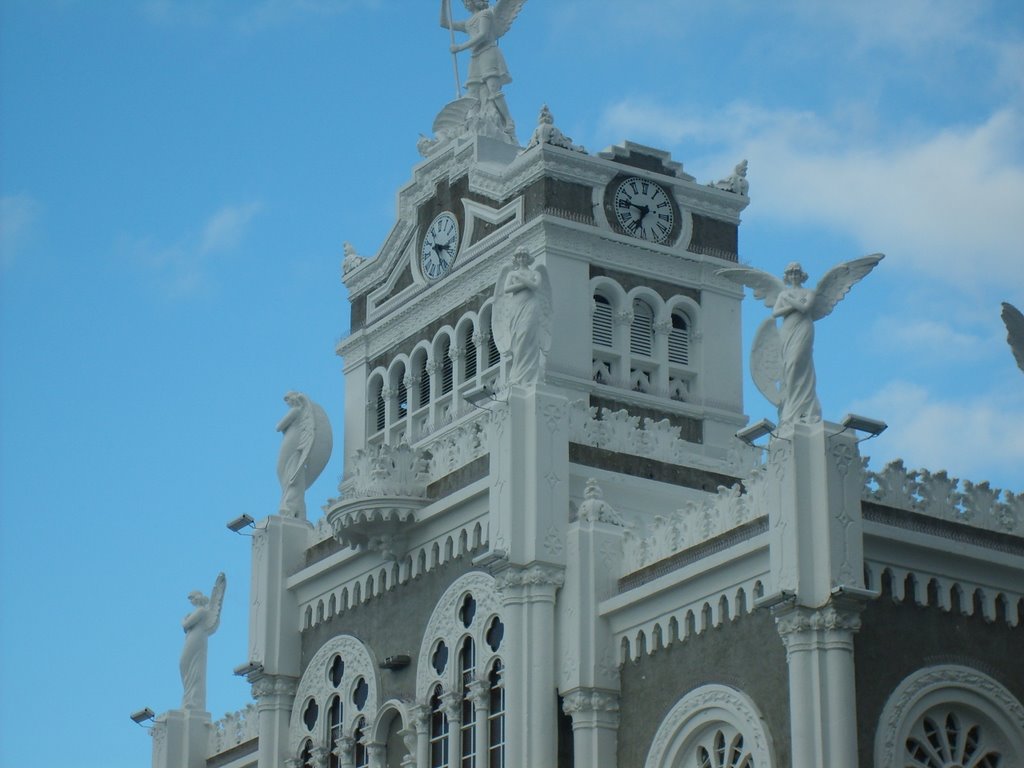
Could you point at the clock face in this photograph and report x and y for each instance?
(643, 209)
(440, 244)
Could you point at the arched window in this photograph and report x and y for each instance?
(306, 755)
(438, 731)
(601, 321)
(641, 332)
(379, 405)
(468, 352)
(467, 669)
(335, 719)
(679, 340)
(496, 717)
(402, 390)
(360, 753)
(423, 395)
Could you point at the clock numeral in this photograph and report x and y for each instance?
(663, 228)
(662, 204)
(622, 203)
(632, 186)
(645, 186)
(664, 217)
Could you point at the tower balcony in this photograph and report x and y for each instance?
(379, 499)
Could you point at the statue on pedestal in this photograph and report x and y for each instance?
(483, 109)
(1014, 321)
(199, 625)
(782, 358)
(305, 449)
(522, 316)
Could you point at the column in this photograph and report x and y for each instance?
(528, 601)
(377, 753)
(344, 752)
(274, 696)
(595, 726)
(420, 716)
(452, 704)
(823, 705)
(479, 694)
(320, 755)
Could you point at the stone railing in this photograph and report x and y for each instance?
(695, 523)
(938, 495)
(454, 448)
(622, 432)
(233, 729)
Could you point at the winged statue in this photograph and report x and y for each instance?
(202, 622)
(782, 357)
(521, 321)
(305, 449)
(1014, 321)
(484, 105)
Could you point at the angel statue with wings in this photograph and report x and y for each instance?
(522, 316)
(305, 449)
(1014, 321)
(487, 69)
(199, 625)
(781, 358)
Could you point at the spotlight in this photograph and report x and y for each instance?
(399, 661)
(756, 431)
(240, 523)
(243, 670)
(775, 598)
(872, 427)
(142, 716)
(476, 395)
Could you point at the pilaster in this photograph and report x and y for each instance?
(274, 695)
(528, 602)
(595, 726)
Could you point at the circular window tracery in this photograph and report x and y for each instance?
(723, 749)
(954, 741)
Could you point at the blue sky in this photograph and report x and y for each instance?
(176, 181)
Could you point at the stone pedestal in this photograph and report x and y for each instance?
(181, 739)
(813, 489)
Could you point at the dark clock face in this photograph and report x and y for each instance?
(440, 244)
(643, 209)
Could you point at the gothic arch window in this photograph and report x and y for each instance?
(461, 659)
(950, 715)
(444, 359)
(360, 754)
(421, 378)
(438, 731)
(713, 726)
(400, 408)
(338, 686)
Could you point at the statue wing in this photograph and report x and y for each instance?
(321, 446)
(544, 298)
(838, 281)
(505, 12)
(1014, 331)
(453, 115)
(766, 287)
(216, 601)
(501, 315)
(766, 361)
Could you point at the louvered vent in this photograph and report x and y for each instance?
(602, 322)
(446, 373)
(679, 341)
(469, 350)
(493, 356)
(641, 332)
(424, 384)
(403, 399)
(380, 410)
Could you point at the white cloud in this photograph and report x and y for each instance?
(945, 205)
(977, 438)
(183, 267)
(18, 217)
(225, 229)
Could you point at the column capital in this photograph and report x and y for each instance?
(270, 690)
(589, 700)
(320, 756)
(832, 624)
(478, 693)
(419, 715)
(451, 702)
(536, 574)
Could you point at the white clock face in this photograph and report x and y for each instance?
(440, 244)
(644, 209)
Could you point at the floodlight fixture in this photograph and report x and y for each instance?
(240, 523)
(871, 427)
(398, 661)
(776, 598)
(477, 395)
(750, 435)
(243, 670)
(143, 715)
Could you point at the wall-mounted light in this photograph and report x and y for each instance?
(142, 716)
(398, 661)
(871, 427)
(240, 523)
(243, 670)
(750, 435)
